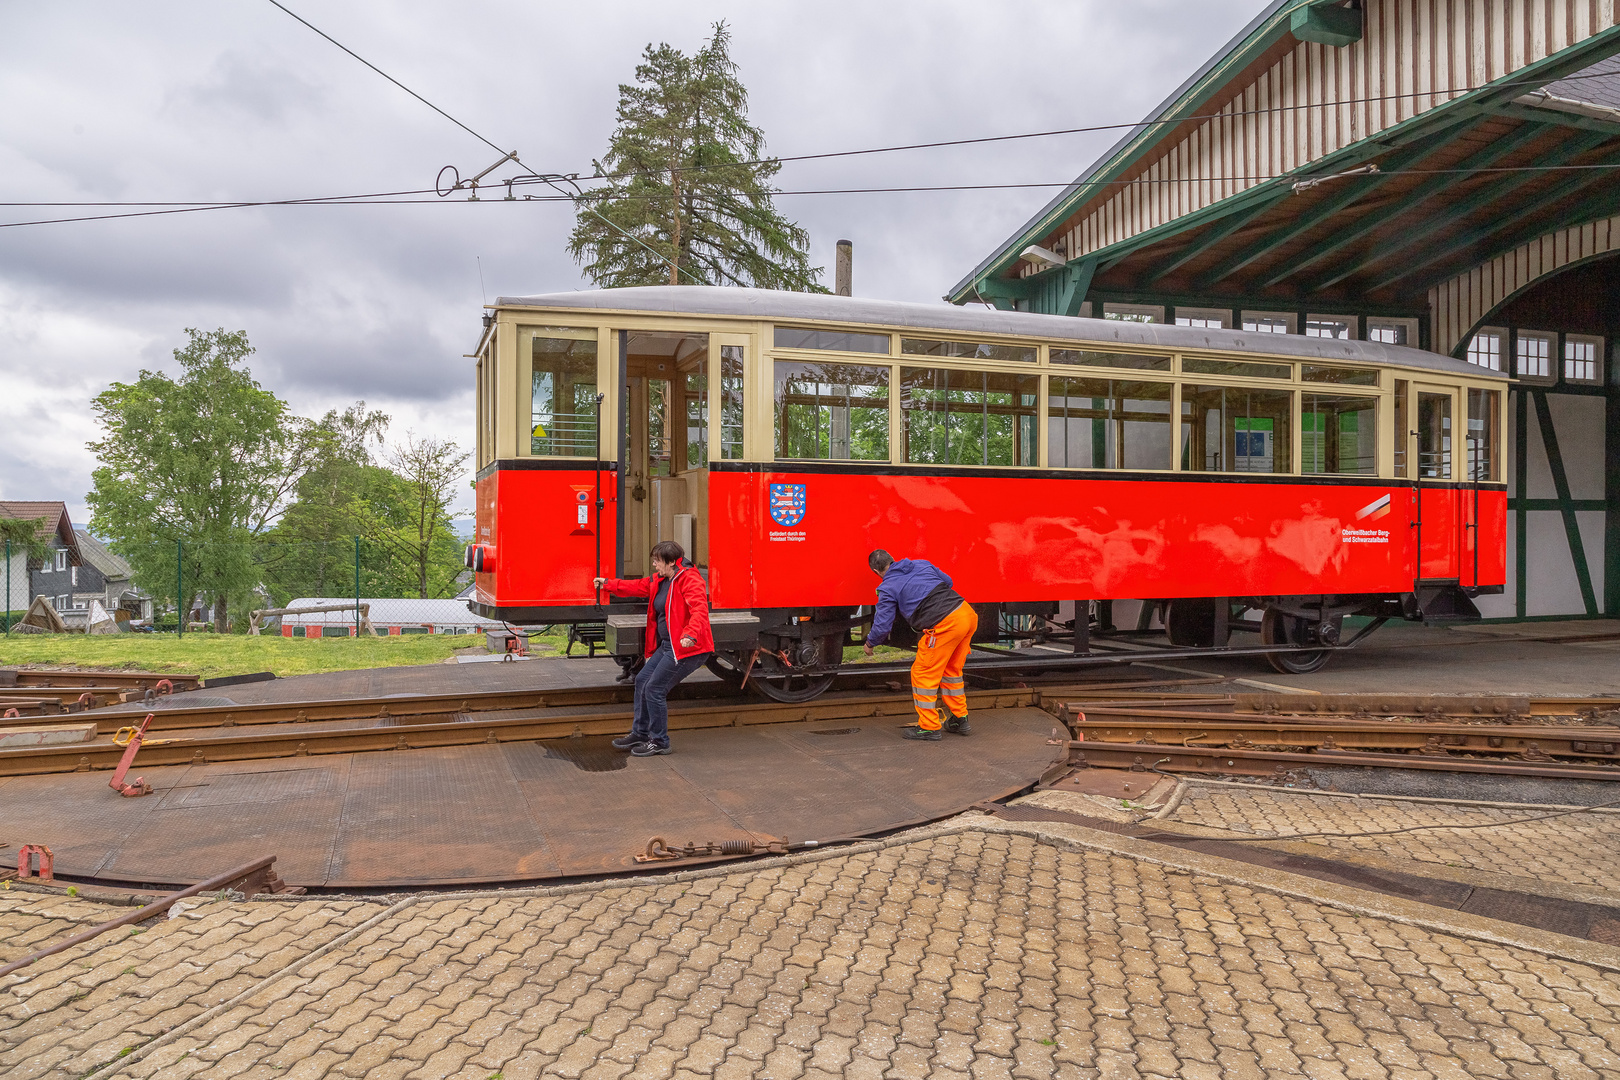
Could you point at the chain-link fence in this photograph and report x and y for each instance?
(325, 588)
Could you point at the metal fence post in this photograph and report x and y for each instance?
(179, 589)
(8, 586)
(357, 587)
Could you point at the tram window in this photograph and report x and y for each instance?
(968, 350)
(1342, 375)
(968, 417)
(1086, 358)
(793, 337)
(1403, 426)
(1204, 365)
(1482, 436)
(1434, 436)
(562, 419)
(1107, 424)
(695, 404)
(832, 411)
(1235, 429)
(731, 402)
(1338, 435)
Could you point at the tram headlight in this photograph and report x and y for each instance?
(480, 558)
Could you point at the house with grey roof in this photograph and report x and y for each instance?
(53, 577)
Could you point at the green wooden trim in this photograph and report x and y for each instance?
(1498, 229)
(1073, 295)
(1438, 222)
(1543, 115)
(1521, 482)
(1428, 189)
(1602, 204)
(1572, 529)
(1355, 189)
(1236, 304)
(1562, 63)
(1332, 26)
(1201, 245)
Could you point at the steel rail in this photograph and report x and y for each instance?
(1245, 762)
(141, 914)
(140, 680)
(1533, 743)
(461, 729)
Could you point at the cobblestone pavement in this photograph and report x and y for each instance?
(974, 952)
(1580, 849)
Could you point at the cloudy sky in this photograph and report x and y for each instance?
(104, 101)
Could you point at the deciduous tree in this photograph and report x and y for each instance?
(208, 460)
(687, 197)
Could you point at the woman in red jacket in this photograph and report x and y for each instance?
(678, 641)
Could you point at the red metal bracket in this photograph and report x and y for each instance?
(25, 859)
(140, 786)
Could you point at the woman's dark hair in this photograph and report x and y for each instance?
(668, 551)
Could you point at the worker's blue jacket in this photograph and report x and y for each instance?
(919, 591)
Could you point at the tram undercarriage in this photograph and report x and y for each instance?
(791, 656)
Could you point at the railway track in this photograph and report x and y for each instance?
(436, 721)
(1265, 735)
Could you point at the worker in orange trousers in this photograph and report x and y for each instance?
(919, 592)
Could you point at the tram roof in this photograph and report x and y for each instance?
(768, 304)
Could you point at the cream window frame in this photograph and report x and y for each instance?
(522, 385)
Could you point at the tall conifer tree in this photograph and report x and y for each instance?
(686, 178)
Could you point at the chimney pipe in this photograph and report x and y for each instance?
(841, 271)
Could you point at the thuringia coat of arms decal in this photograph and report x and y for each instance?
(787, 503)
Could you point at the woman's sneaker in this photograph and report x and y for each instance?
(628, 742)
(650, 749)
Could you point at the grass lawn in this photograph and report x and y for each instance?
(218, 655)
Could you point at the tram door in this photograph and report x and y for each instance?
(664, 476)
(1438, 470)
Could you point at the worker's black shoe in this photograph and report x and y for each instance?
(650, 749)
(958, 725)
(628, 742)
(924, 733)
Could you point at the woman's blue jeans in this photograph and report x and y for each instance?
(653, 684)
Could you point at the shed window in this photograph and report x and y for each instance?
(1392, 331)
(1087, 358)
(968, 417)
(1268, 322)
(1534, 355)
(1485, 349)
(1339, 327)
(968, 350)
(1205, 318)
(1581, 359)
(832, 411)
(1108, 424)
(792, 337)
(1482, 435)
(562, 417)
(1338, 435)
(1142, 313)
(1235, 429)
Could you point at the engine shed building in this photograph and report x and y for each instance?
(1437, 173)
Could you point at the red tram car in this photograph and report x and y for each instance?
(1070, 474)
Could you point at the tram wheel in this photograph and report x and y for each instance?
(1277, 628)
(771, 678)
